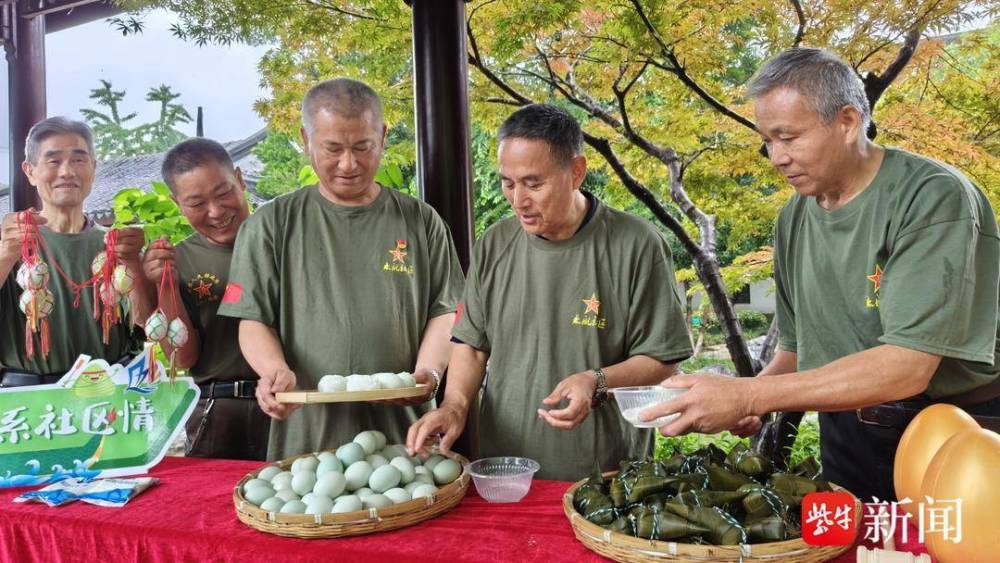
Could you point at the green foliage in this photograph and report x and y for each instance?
(806, 442)
(283, 162)
(114, 137)
(753, 322)
(666, 447)
(156, 212)
(699, 363)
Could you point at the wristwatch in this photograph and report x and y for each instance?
(601, 393)
(437, 382)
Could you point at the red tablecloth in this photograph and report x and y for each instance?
(189, 516)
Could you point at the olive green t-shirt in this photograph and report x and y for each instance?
(910, 261)
(348, 290)
(72, 330)
(203, 268)
(545, 310)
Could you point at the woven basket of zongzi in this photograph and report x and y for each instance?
(685, 509)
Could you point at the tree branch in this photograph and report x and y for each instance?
(875, 84)
(802, 22)
(677, 69)
(642, 193)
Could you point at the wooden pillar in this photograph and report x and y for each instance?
(26, 103)
(440, 83)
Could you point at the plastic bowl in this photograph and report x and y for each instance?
(633, 400)
(503, 479)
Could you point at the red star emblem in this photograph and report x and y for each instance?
(876, 278)
(398, 255)
(203, 289)
(592, 304)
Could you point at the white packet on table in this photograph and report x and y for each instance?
(102, 492)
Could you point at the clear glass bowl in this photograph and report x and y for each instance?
(503, 479)
(633, 400)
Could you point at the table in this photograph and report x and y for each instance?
(189, 516)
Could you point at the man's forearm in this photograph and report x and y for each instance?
(638, 370)
(435, 347)
(874, 376)
(465, 377)
(782, 362)
(261, 347)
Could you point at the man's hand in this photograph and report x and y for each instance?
(579, 390)
(12, 235)
(159, 253)
(276, 382)
(448, 421)
(712, 403)
(129, 244)
(420, 375)
(747, 427)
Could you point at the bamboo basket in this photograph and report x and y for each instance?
(368, 521)
(622, 547)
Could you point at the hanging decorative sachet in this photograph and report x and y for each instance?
(157, 326)
(113, 284)
(33, 275)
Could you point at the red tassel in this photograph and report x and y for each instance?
(29, 341)
(45, 338)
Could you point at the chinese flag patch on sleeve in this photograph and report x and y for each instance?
(234, 292)
(459, 311)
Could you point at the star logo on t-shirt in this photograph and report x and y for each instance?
(200, 288)
(593, 305)
(876, 278)
(398, 263)
(399, 253)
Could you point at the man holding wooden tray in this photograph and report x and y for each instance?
(344, 277)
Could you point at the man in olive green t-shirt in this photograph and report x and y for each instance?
(209, 190)
(887, 266)
(342, 277)
(59, 163)
(565, 300)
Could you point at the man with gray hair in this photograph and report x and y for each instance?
(565, 300)
(887, 267)
(59, 163)
(342, 277)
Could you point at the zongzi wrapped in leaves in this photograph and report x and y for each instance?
(723, 529)
(721, 479)
(744, 460)
(637, 482)
(771, 528)
(795, 485)
(656, 500)
(708, 498)
(656, 524)
(763, 501)
(686, 482)
(806, 468)
(595, 506)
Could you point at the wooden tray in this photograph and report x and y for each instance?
(352, 396)
(365, 521)
(623, 547)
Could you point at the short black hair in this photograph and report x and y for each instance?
(192, 153)
(548, 123)
(342, 96)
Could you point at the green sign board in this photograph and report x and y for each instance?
(98, 420)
